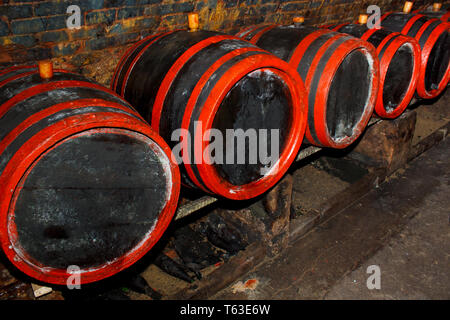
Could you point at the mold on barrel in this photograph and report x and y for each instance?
(343, 109)
(400, 59)
(85, 180)
(210, 84)
(340, 74)
(433, 38)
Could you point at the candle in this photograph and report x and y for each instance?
(407, 7)
(193, 21)
(362, 19)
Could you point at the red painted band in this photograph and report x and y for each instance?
(193, 101)
(258, 35)
(299, 113)
(14, 68)
(339, 26)
(385, 40)
(48, 86)
(136, 59)
(385, 15)
(297, 56)
(246, 31)
(173, 72)
(76, 104)
(446, 17)
(426, 50)
(303, 45)
(385, 62)
(423, 28)
(410, 23)
(25, 74)
(122, 61)
(366, 35)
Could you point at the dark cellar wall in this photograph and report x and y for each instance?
(34, 30)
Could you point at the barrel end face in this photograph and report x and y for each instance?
(96, 201)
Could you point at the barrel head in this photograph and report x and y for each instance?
(437, 64)
(348, 95)
(398, 77)
(90, 200)
(260, 102)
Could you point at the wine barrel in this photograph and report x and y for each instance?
(399, 57)
(433, 38)
(84, 180)
(206, 81)
(340, 73)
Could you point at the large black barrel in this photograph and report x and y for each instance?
(84, 181)
(433, 38)
(203, 82)
(340, 73)
(400, 59)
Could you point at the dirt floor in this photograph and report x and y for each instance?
(402, 227)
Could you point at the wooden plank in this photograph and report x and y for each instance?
(6, 278)
(16, 291)
(429, 141)
(387, 144)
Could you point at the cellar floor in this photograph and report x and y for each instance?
(402, 227)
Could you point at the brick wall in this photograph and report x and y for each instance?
(33, 30)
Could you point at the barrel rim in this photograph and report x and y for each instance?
(426, 51)
(47, 139)
(11, 175)
(193, 100)
(344, 50)
(389, 53)
(341, 52)
(212, 179)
